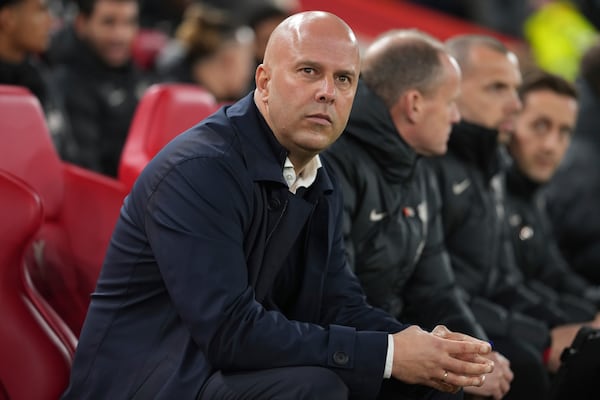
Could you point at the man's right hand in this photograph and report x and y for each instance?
(441, 359)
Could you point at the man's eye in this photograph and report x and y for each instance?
(541, 126)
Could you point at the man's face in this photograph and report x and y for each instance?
(31, 25)
(110, 30)
(543, 133)
(440, 111)
(308, 88)
(489, 89)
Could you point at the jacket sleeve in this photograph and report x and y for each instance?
(195, 223)
(556, 272)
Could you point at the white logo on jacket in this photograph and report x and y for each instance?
(375, 216)
(459, 187)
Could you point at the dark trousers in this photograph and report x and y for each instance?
(303, 383)
(531, 379)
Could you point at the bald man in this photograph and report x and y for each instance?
(226, 275)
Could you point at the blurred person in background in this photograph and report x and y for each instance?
(212, 51)
(25, 28)
(573, 194)
(470, 176)
(100, 83)
(542, 135)
(263, 19)
(558, 34)
(403, 110)
(540, 139)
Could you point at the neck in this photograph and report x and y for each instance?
(299, 163)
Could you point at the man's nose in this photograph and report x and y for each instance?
(327, 90)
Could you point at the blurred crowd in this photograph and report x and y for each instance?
(556, 33)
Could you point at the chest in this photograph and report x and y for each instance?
(390, 224)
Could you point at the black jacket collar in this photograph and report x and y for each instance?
(371, 125)
(477, 146)
(518, 184)
(23, 74)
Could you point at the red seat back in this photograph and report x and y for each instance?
(35, 362)
(80, 207)
(164, 111)
(27, 150)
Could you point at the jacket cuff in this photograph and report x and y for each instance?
(358, 357)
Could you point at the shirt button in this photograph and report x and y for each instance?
(340, 358)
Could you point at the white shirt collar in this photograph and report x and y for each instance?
(305, 178)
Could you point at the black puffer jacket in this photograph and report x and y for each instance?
(537, 254)
(471, 183)
(100, 102)
(391, 222)
(574, 192)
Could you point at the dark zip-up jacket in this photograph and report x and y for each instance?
(537, 253)
(215, 265)
(99, 102)
(471, 183)
(574, 192)
(392, 224)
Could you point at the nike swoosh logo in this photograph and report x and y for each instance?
(375, 216)
(459, 187)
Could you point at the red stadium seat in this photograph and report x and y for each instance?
(164, 111)
(35, 360)
(80, 207)
(146, 46)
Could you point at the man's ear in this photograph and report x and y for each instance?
(262, 78)
(413, 105)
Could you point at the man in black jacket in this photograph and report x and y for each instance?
(542, 135)
(471, 183)
(100, 83)
(25, 27)
(574, 192)
(404, 108)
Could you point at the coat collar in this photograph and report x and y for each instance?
(371, 125)
(264, 155)
(477, 146)
(519, 185)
